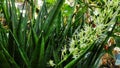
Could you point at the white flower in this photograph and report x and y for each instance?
(96, 12)
(40, 2)
(51, 63)
(64, 50)
(70, 2)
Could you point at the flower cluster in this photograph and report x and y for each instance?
(85, 37)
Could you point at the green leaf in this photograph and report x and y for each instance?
(42, 54)
(72, 63)
(117, 39)
(67, 10)
(22, 52)
(8, 57)
(53, 13)
(3, 61)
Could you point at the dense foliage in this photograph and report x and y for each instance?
(60, 33)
